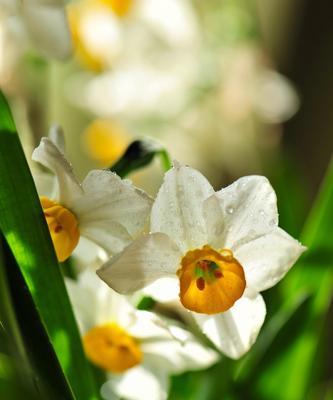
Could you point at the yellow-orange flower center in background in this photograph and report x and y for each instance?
(120, 7)
(105, 141)
(91, 49)
(111, 348)
(210, 281)
(63, 227)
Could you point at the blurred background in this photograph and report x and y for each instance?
(231, 87)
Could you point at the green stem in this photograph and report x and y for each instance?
(165, 159)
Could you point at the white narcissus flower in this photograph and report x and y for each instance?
(45, 23)
(105, 209)
(221, 249)
(136, 349)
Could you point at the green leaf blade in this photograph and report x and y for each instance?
(23, 225)
(295, 357)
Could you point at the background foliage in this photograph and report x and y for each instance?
(249, 91)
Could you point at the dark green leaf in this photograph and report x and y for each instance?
(139, 154)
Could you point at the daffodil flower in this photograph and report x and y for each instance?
(221, 249)
(137, 350)
(44, 22)
(104, 209)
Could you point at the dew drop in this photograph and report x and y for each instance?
(230, 210)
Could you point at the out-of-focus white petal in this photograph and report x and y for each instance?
(148, 326)
(235, 331)
(149, 258)
(85, 305)
(139, 383)
(96, 304)
(178, 208)
(180, 350)
(46, 184)
(249, 208)
(107, 197)
(88, 255)
(48, 154)
(164, 290)
(108, 234)
(101, 32)
(275, 99)
(267, 259)
(56, 135)
(173, 20)
(177, 349)
(120, 91)
(48, 27)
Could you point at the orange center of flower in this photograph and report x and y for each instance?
(111, 348)
(63, 227)
(210, 281)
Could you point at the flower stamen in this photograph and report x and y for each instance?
(210, 281)
(200, 283)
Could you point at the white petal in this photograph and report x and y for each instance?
(139, 383)
(249, 209)
(235, 331)
(88, 255)
(172, 21)
(267, 259)
(215, 222)
(84, 303)
(149, 258)
(94, 303)
(56, 135)
(178, 211)
(48, 154)
(179, 350)
(107, 196)
(164, 290)
(48, 28)
(110, 235)
(146, 325)
(46, 184)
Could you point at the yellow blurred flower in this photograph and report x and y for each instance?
(120, 7)
(105, 141)
(96, 31)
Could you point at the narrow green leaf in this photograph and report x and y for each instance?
(293, 357)
(139, 154)
(23, 224)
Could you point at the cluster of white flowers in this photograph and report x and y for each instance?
(31, 22)
(210, 254)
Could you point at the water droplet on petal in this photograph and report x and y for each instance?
(230, 210)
